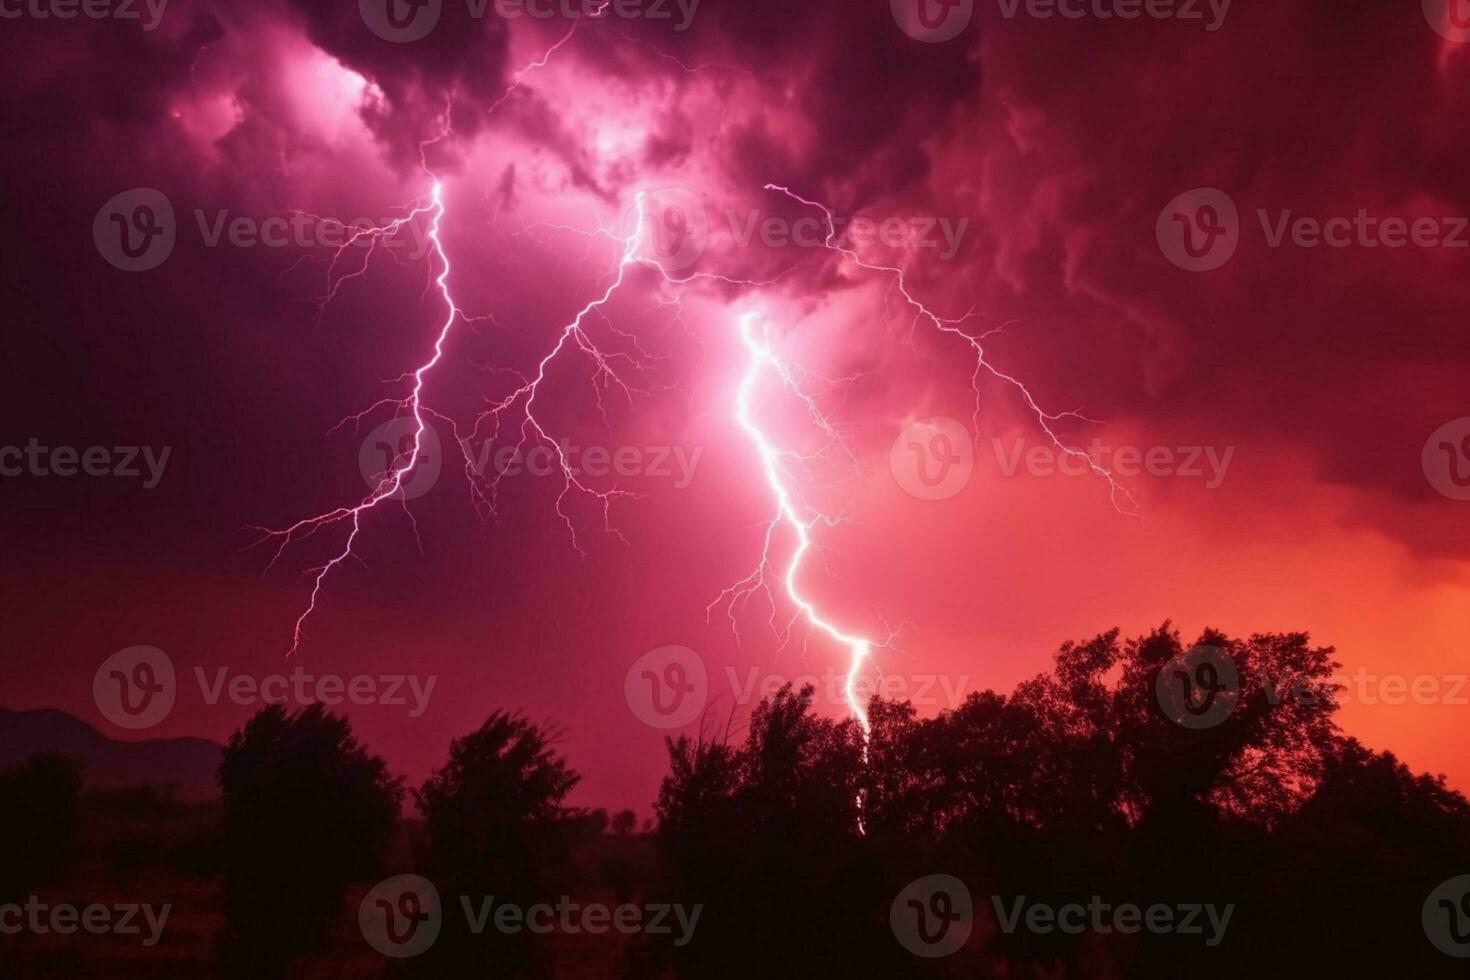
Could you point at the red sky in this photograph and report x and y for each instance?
(1319, 373)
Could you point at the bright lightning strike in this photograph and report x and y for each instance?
(522, 401)
(761, 359)
(391, 481)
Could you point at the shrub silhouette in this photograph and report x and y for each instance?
(497, 825)
(308, 810)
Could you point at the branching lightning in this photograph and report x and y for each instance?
(518, 410)
(760, 360)
(390, 483)
(1122, 499)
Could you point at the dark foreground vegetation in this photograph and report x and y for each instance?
(1080, 787)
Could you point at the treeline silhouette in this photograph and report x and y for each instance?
(795, 837)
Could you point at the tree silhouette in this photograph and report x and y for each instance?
(497, 825)
(765, 837)
(624, 822)
(1085, 781)
(307, 811)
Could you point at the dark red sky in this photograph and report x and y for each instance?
(1322, 371)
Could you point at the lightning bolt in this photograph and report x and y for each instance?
(522, 403)
(1121, 498)
(761, 359)
(390, 483)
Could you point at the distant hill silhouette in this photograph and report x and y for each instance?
(188, 764)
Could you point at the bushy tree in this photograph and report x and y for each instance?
(497, 824)
(765, 836)
(1086, 780)
(307, 811)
